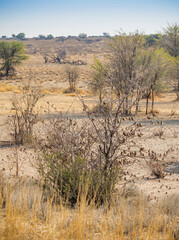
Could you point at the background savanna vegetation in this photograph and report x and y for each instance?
(76, 109)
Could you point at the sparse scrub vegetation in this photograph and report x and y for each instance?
(101, 169)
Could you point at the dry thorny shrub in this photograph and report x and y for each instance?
(25, 114)
(72, 74)
(86, 156)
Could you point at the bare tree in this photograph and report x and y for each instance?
(61, 55)
(158, 67)
(45, 55)
(53, 56)
(171, 39)
(171, 43)
(142, 76)
(125, 49)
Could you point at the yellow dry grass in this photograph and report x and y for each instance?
(24, 214)
(78, 92)
(4, 87)
(52, 91)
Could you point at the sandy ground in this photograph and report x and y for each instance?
(137, 172)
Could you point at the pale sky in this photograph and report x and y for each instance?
(93, 17)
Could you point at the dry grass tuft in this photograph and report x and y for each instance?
(77, 92)
(52, 90)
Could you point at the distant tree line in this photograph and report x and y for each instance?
(151, 39)
(50, 36)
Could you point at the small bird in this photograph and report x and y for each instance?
(154, 115)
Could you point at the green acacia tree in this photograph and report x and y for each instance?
(12, 54)
(20, 36)
(50, 36)
(82, 35)
(98, 81)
